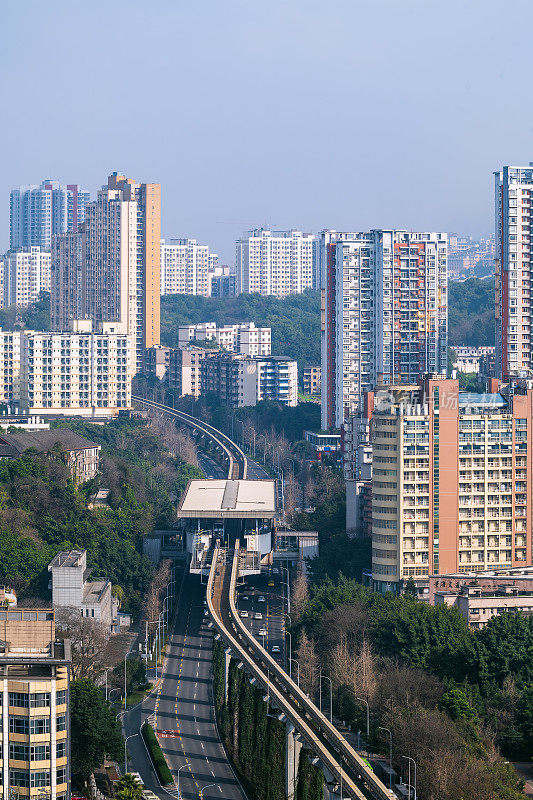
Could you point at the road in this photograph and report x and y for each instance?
(185, 716)
(270, 610)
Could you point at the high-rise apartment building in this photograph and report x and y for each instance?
(10, 343)
(384, 314)
(67, 296)
(275, 262)
(120, 262)
(185, 267)
(514, 270)
(81, 372)
(451, 487)
(26, 275)
(35, 705)
(183, 373)
(242, 337)
(38, 212)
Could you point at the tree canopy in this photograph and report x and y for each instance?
(95, 729)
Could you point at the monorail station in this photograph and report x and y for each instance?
(227, 510)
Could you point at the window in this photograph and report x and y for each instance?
(61, 749)
(18, 699)
(40, 700)
(61, 723)
(40, 725)
(19, 777)
(61, 775)
(18, 725)
(40, 752)
(18, 751)
(61, 697)
(40, 778)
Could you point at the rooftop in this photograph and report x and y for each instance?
(67, 558)
(227, 498)
(43, 441)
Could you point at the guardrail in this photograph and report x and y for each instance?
(283, 702)
(238, 463)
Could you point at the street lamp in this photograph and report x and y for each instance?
(362, 700)
(187, 764)
(409, 759)
(298, 673)
(202, 790)
(381, 728)
(327, 678)
(287, 584)
(126, 750)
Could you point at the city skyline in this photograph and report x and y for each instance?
(264, 158)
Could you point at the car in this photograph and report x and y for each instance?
(137, 778)
(263, 632)
(245, 597)
(243, 613)
(275, 571)
(261, 599)
(271, 583)
(148, 795)
(275, 649)
(258, 615)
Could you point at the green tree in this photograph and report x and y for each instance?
(95, 730)
(129, 788)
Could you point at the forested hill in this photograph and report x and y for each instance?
(471, 312)
(295, 320)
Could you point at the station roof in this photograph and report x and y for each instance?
(228, 499)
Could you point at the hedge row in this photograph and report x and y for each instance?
(158, 758)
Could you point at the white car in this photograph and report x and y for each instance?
(275, 649)
(261, 599)
(263, 632)
(245, 597)
(243, 613)
(258, 615)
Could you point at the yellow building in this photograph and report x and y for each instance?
(35, 671)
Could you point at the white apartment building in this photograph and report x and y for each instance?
(72, 589)
(513, 200)
(384, 314)
(38, 212)
(10, 342)
(81, 372)
(26, 274)
(185, 267)
(242, 381)
(275, 262)
(242, 338)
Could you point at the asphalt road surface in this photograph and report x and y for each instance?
(271, 610)
(184, 712)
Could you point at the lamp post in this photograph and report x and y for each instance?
(409, 760)
(298, 665)
(126, 750)
(381, 728)
(327, 678)
(125, 682)
(202, 790)
(290, 645)
(362, 700)
(286, 583)
(187, 764)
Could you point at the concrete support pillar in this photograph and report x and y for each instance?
(227, 659)
(293, 746)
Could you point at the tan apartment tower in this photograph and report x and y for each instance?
(119, 249)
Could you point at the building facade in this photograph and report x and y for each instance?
(238, 380)
(312, 380)
(35, 706)
(184, 370)
(243, 338)
(10, 348)
(26, 275)
(185, 267)
(120, 262)
(451, 484)
(384, 314)
(513, 201)
(38, 212)
(80, 455)
(67, 293)
(72, 589)
(81, 372)
(274, 262)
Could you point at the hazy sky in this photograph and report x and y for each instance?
(304, 114)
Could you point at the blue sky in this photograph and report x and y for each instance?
(302, 114)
